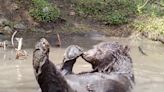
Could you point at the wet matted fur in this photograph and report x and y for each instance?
(107, 57)
(51, 80)
(47, 76)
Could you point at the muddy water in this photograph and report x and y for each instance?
(17, 75)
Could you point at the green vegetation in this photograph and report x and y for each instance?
(153, 25)
(144, 15)
(43, 11)
(151, 16)
(110, 11)
(116, 12)
(150, 7)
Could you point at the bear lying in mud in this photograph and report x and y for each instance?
(111, 77)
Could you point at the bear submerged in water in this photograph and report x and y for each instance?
(111, 58)
(107, 57)
(112, 72)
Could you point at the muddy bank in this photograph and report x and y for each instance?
(14, 15)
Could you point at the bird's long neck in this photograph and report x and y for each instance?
(68, 66)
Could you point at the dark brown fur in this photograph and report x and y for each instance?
(51, 80)
(48, 77)
(109, 58)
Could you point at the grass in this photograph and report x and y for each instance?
(150, 17)
(43, 11)
(114, 12)
(153, 25)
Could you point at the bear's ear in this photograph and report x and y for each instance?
(126, 49)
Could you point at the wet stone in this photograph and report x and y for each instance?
(72, 13)
(7, 30)
(4, 22)
(14, 6)
(46, 9)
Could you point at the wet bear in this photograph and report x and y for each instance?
(107, 57)
(50, 79)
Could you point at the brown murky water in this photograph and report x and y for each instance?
(17, 75)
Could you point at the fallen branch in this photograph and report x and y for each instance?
(12, 38)
(20, 42)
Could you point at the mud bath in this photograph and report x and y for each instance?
(18, 76)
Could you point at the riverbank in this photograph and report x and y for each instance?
(14, 15)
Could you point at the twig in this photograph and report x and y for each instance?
(144, 4)
(4, 45)
(59, 40)
(140, 49)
